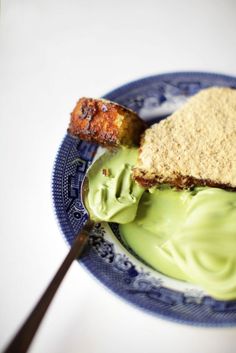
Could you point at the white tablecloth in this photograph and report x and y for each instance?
(52, 53)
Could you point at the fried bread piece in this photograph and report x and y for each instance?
(105, 123)
(196, 145)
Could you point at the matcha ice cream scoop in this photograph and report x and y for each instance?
(188, 235)
(113, 195)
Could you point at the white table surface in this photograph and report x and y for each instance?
(52, 53)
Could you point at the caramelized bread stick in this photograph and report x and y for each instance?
(105, 123)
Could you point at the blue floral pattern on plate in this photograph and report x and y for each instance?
(153, 98)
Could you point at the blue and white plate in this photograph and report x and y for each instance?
(153, 98)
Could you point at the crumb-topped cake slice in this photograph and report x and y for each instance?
(196, 145)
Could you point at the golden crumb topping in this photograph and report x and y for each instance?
(198, 141)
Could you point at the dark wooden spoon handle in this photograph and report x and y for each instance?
(22, 340)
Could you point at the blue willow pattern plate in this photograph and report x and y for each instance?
(153, 98)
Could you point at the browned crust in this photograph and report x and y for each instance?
(97, 120)
(180, 182)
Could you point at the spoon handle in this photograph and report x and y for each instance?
(22, 340)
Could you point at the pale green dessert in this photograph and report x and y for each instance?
(187, 235)
(113, 195)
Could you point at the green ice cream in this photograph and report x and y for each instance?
(113, 195)
(187, 235)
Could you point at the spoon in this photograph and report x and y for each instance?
(23, 338)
